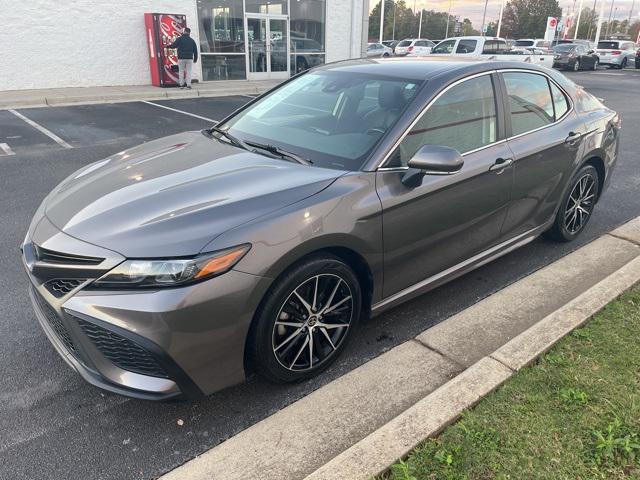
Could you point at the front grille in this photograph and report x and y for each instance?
(61, 286)
(124, 353)
(49, 256)
(55, 323)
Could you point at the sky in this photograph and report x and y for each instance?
(473, 9)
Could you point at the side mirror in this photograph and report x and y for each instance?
(591, 52)
(432, 160)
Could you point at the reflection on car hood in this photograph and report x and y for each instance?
(170, 197)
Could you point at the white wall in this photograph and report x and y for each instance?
(79, 43)
(84, 43)
(344, 29)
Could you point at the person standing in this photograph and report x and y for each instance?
(187, 56)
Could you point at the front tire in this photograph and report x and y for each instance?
(577, 206)
(306, 320)
(595, 65)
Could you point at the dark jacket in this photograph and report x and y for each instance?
(187, 48)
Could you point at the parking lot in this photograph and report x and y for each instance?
(54, 425)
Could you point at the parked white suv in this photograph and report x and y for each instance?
(616, 53)
(414, 46)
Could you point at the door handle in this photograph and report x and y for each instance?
(573, 138)
(501, 164)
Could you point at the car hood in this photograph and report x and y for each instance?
(172, 196)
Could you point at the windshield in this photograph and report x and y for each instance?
(405, 43)
(608, 45)
(332, 118)
(563, 48)
(523, 43)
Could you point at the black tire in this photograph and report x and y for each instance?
(595, 64)
(576, 65)
(563, 230)
(623, 65)
(637, 62)
(268, 351)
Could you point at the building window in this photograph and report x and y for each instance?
(223, 67)
(267, 6)
(307, 27)
(221, 24)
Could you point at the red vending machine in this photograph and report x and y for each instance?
(162, 29)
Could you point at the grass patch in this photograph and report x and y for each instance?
(573, 415)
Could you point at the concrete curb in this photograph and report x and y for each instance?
(359, 424)
(80, 96)
(381, 449)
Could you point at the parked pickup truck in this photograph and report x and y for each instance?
(491, 48)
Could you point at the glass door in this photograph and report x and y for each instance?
(268, 47)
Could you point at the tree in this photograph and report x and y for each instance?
(528, 18)
(588, 24)
(434, 23)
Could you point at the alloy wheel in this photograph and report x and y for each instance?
(580, 204)
(595, 65)
(312, 322)
(576, 66)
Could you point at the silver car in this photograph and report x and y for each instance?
(176, 267)
(616, 53)
(377, 50)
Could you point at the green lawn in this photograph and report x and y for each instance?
(573, 415)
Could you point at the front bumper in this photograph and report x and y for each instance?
(159, 344)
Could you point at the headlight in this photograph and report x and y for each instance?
(155, 273)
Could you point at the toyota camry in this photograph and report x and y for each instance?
(177, 267)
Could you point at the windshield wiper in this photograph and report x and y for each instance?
(284, 154)
(233, 139)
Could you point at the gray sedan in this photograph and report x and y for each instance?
(178, 266)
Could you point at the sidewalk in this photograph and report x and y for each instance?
(86, 95)
(358, 425)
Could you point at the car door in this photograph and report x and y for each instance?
(545, 136)
(445, 220)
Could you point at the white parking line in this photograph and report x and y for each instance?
(609, 73)
(6, 149)
(48, 133)
(181, 111)
(249, 96)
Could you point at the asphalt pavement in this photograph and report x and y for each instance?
(53, 425)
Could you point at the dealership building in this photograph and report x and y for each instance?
(85, 43)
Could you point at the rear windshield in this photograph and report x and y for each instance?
(564, 48)
(524, 43)
(608, 45)
(405, 43)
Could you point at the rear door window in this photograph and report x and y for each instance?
(530, 102)
(559, 101)
(466, 46)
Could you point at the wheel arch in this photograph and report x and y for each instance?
(598, 163)
(343, 250)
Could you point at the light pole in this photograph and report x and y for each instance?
(446, 33)
(420, 24)
(599, 28)
(381, 19)
(609, 21)
(500, 19)
(484, 16)
(393, 30)
(575, 34)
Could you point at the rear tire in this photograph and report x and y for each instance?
(577, 206)
(623, 65)
(290, 341)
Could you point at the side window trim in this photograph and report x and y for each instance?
(500, 116)
(505, 100)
